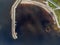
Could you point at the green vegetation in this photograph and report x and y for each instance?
(51, 5)
(58, 14)
(57, 2)
(56, 11)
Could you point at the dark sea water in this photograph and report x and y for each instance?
(5, 30)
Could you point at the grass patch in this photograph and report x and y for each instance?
(56, 11)
(57, 2)
(58, 14)
(51, 5)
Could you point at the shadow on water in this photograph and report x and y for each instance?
(5, 32)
